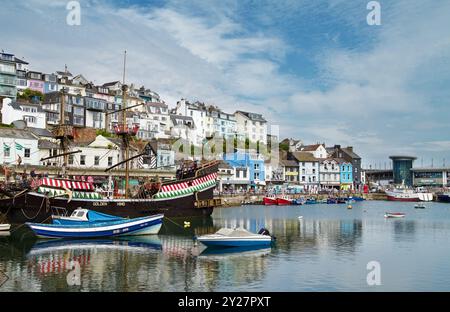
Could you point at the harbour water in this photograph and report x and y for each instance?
(327, 250)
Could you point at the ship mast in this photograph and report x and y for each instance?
(63, 132)
(125, 136)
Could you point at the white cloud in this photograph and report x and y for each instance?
(370, 99)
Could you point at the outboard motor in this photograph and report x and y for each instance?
(264, 231)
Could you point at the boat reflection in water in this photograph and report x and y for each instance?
(236, 252)
(57, 256)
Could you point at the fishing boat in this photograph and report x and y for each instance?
(298, 201)
(5, 227)
(270, 200)
(310, 201)
(394, 215)
(284, 200)
(332, 201)
(80, 226)
(240, 237)
(190, 194)
(444, 197)
(405, 194)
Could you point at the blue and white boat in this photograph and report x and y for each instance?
(236, 238)
(84, 223)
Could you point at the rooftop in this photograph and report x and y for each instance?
(305, 157)
(16, 134)
(252, 116)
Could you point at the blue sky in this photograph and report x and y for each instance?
(316, 68)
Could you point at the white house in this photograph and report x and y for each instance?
(252, 126)
(18, 145)
(100, 154)
(308, 170)
(183, 127)
(197, 112)
(31, 113)
(329, 173)
(318, 150)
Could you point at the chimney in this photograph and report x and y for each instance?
(350, 148)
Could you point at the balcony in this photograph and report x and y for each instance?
(8, 82)
(95, 106)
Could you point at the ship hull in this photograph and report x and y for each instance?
(444, 198)
(283, 202)
(269, 201)
(403, 199)
(33, 207)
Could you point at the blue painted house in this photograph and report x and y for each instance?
(346, 174)
(251, 160)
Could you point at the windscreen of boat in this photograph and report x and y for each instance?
(234, 232)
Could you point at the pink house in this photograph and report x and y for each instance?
(35, 81)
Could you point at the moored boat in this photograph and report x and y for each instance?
(310, 201)
(89, 224)
(236, 238)
(394, 215)
(284, 200)
(190, 196)
(402, 193)
(420, 206)
(5, 227)
(444, 197)
(270, 200)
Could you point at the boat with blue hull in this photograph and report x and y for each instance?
(445, 197)
(78, 225)
(236, 238)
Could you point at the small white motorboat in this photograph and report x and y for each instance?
(236, 238)
(5, 227)
(394, 215)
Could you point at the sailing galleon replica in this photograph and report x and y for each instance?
(191, 194)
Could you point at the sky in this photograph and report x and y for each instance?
(315, 68)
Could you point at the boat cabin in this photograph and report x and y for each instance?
(80, 215)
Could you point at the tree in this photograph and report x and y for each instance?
(29, 94)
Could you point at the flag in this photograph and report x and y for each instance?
(19, 147)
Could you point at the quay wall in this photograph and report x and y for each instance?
(236, 200)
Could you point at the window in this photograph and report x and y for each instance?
(6, 150)
(83, 160)
(96, 160)
(29, 119)
(244, 174)
(314, 171)
(70, 159)
(78, 111)
(110, 161)
(27, 153)
(255, 176)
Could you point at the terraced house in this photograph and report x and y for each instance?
(8, 76)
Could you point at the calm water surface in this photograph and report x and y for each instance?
(327, 250)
